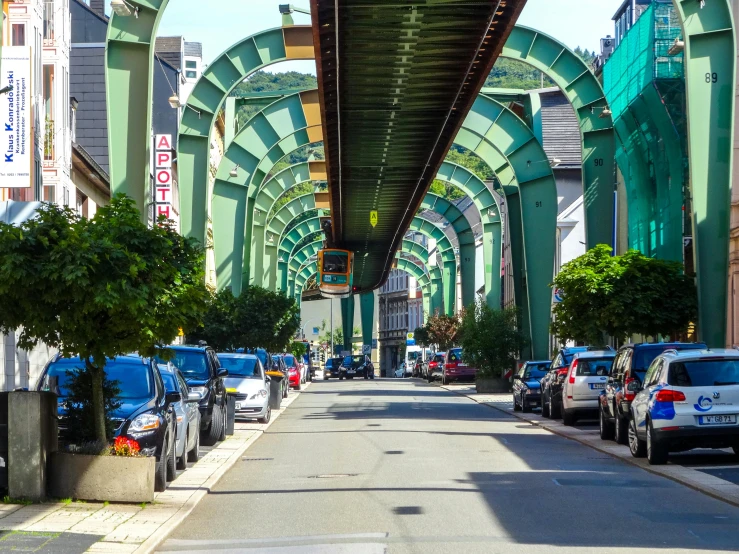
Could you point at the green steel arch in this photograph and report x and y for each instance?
(303, 254)
(129, 56)
(466, 240)
(585, 93)
(288, 243)
(449, 260)
(419, 274)
(710, 49)
(433, 299)
(511, 150)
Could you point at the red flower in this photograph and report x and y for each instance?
(123, 446)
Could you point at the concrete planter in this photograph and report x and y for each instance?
(492, 385)
(112, 478)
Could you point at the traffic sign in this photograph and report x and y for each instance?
(373, 218)
(374, 343)
(367, 349)
(558, 295)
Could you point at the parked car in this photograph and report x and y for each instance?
(689, 399)
(631, 364)
(187, 435)
(527, 386)
(551, 384)
(331, 368)
(279, 369)
(318, 373)
(455, 368)
(146, 412)
(358, 365)
(294, 371)
(436, 365)
(585, 380)
(250, 383)
(204, 376)
(403, 371)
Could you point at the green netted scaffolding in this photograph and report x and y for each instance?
(645, 89)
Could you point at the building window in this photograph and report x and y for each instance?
(191, 69)
(19, 34)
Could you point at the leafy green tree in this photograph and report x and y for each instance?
(98, 288)
(622, 296)
(515, 74)
(218, 328)
(421, 335)
(297, 349)
(491, 340)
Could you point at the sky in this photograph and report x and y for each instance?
(575, 22)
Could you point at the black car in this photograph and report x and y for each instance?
(204, 376)
(631, 364)
(331, 369)
(527, 386)
(551, 384)
(355, 366)
(146, 412)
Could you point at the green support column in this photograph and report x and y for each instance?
(129, 84)
(710, 78)
(418, 273)
(367, 308)
(449, 261)
(347, 321)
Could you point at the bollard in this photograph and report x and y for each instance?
(230, 413)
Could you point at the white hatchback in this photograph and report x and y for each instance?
(586, 379)
(689, 399)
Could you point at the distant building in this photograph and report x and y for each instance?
(401, 312)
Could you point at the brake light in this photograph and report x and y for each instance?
(629, 395)
(669, 395)
(562, 371)
(573, 368)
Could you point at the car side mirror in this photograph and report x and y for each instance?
(267, 378)
(222, 372)
(193, 397)
(172, 397)
(634, 386)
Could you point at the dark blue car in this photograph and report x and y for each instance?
(527, 386)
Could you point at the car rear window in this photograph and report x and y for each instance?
(593, 367)
(133, 379)
(240, 366)
(535, 372)
(704, 373)
(439, 358)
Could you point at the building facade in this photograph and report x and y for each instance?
(400, 312)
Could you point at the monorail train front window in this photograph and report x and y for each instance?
(335, 262)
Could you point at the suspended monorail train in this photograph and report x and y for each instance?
(335, 272)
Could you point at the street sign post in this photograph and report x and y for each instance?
(367, 349)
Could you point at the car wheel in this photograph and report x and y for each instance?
(194, 454)
(525, 408)
(182, 460)
(544, 406)
(621, 434)
(222, 434)
(160, 469)
(516, 407)
(300, 386)
(606, 428)
(555, 409)
(266, 417)
(214, 429)
(285, 391)
(341, 377)
(325, 378)
(172, 460)
(657, 453)
(568, 417)
(637, 446)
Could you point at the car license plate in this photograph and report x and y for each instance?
(238, 405)
(597, 386)
(717, 419)
(351, 371)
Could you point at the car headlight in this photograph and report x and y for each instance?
(143, 424)
(532, 391)
(261, 394)
(199, 391)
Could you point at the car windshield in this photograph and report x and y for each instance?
(412, 356)
(714, 372)
(240, 365)
(276, 362)
(191, 363)
(644, 356)
(290, 361)
(439, 358)
(170, 383)
(570, 354)
(536, 371)
(593, 367)
(335, 262)
(133, 378)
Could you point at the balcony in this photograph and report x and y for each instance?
(49, 141)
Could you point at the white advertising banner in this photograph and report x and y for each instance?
(16, 134)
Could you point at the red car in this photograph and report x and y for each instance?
(293, 371)
(455, 369)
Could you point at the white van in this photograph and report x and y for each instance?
(416, 357)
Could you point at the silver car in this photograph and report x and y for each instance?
(585, 380)
(187, 431)
(248, 381)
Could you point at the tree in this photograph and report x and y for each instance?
(421, 334)
(98, 288)
(218, 328)
(491, 340)
(297, 349)
(442, 330)
(622, 296)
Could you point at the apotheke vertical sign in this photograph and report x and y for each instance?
(16, 136)
(163, 176)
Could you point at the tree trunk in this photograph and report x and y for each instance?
(97, 375)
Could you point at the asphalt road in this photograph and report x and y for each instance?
(401, 466)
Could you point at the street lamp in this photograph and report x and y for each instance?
(286, 10)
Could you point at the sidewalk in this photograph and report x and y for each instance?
(76, 527)
(696, 479)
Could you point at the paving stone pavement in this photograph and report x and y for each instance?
(696, 469)
(77, 527)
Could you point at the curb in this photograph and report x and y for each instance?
(628, 460)
(160, 535)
